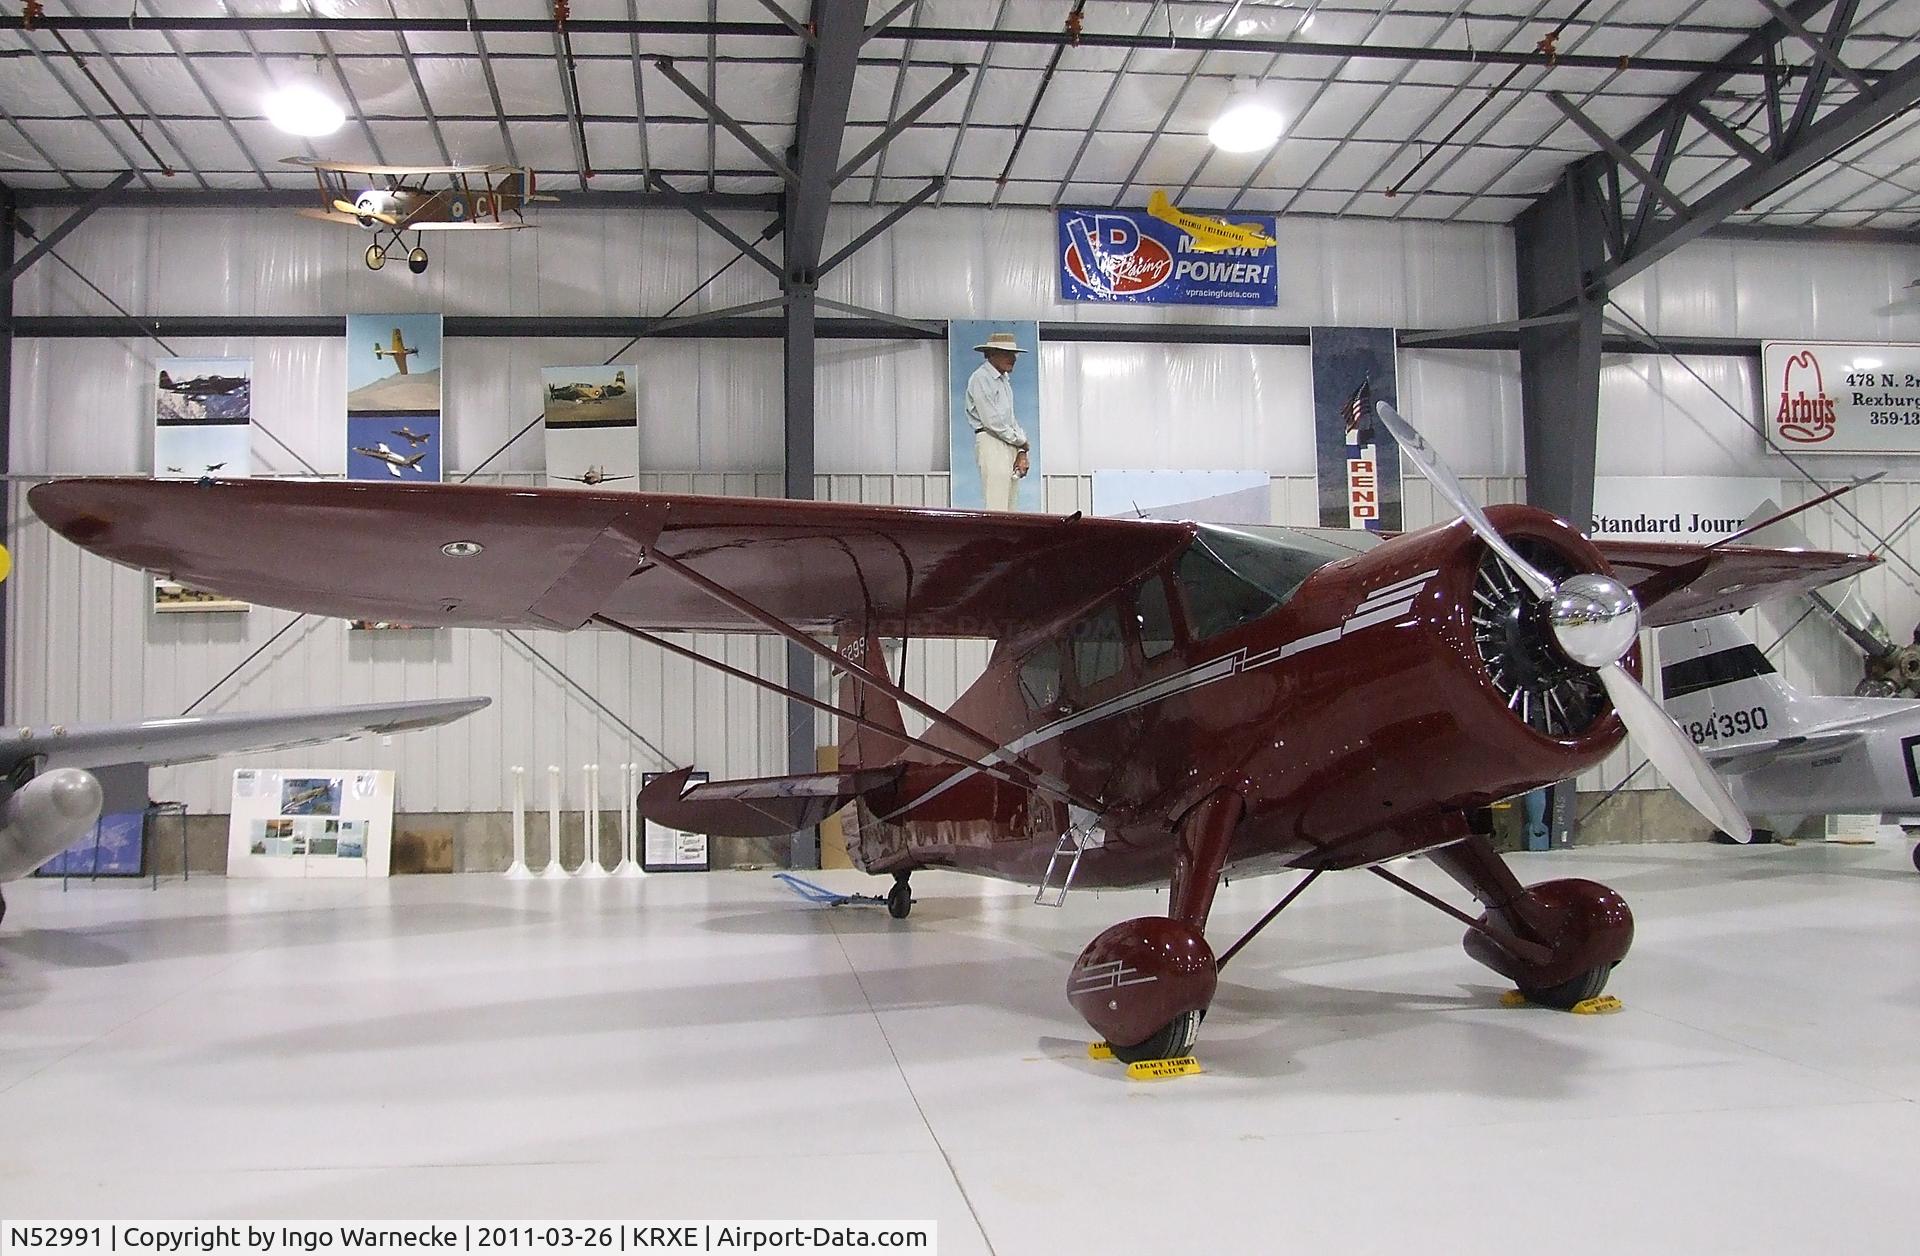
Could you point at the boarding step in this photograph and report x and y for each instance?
(1075, 842)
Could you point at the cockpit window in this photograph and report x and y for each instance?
(1233, 576)
(1098, 648)
(1040, 677)
(1153, 618)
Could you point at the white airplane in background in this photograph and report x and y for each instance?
(49, 801)
(1784, 754)
(394, 461)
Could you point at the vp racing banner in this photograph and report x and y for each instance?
(1128, 257)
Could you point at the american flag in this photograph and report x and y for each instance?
(1359, 414)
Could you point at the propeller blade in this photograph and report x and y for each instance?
(345, 207)
(1674, 753)
(1428, 459)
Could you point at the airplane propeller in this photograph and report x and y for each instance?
(1594, 620)
(348, 207)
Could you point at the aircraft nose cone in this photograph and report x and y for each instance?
(1595, 619)
(73, 793)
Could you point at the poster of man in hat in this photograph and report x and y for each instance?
(993, 389)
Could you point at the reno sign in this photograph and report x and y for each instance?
(1841, 398)
(1120, 256)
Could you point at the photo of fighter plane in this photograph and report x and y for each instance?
(49, 800)
(391, 200)
(395, 462)
(1166, 703)
(412, 437)
(580, 391)
(1209, 235)
(595, 474)
(396, 348)
(203, 386)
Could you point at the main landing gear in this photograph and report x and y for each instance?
(1144, 985)
(377, 253)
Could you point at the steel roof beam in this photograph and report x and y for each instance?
(692, 205)
(717, 114)
(894, 215)
(297, 198)
(66, 227)
(308, 22)
(493, 83)
(905, 120)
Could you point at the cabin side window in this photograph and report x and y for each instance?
(1099, 650)
(1153, 618)
(1040, 677)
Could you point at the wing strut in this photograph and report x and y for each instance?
(727, 669)
(775, 624)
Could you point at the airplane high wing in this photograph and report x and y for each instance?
(48, 799)
(554, 558)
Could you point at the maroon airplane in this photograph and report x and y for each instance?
(1165, 702)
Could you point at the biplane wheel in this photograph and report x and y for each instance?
(1173, 1040)
(1916, 858)
(1574, 990)
(417, 261)
(900, 898)
(376, 257)
(3, 906)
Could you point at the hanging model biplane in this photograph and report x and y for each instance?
(392, 200)
(1165, 701)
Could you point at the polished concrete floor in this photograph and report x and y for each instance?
(711, 1046)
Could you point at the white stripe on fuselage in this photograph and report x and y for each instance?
(1376, 607)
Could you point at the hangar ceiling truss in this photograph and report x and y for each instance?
(1443, 110)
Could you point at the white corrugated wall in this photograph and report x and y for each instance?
(84, 646)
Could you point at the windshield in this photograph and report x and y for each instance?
(1233, 576)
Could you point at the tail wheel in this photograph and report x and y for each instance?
(1174, 1039)
(376, 257)
(1587, 985)
(900, 900)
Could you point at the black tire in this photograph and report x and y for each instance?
(1173, 1040)
(375, 257)
(900, 901)
(1916, 865)
(3, 907)
(1574, 990)
(417, 261)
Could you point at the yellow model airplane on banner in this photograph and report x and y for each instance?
(1209, 235)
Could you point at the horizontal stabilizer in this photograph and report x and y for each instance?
(768, 806)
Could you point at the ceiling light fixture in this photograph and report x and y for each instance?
(301, 108)
(1248, 123)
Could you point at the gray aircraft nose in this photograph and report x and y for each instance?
(73, 792)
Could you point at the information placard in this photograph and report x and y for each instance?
(1841, 397)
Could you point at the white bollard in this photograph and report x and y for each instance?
(590, 867)
(518, 870)
(553, 870)
(630, 864)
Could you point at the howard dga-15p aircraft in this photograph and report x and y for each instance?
(1165, 701)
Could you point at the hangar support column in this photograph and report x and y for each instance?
(1559, 244)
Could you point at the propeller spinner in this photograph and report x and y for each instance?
(1594, 619)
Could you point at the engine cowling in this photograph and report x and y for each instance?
(45, 816)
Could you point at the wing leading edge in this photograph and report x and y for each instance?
(190, 738)
(1677, 583)
(486, 556)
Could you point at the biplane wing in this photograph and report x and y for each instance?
(487, 556)
(350, 167)
(334, 215)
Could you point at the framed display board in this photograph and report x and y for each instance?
(669, 850)
(320, 822)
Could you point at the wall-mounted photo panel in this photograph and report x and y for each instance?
(993, 400)
(592, 420)
(1354, 369)
(310, 823)
(202, 426)
(393, 397)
